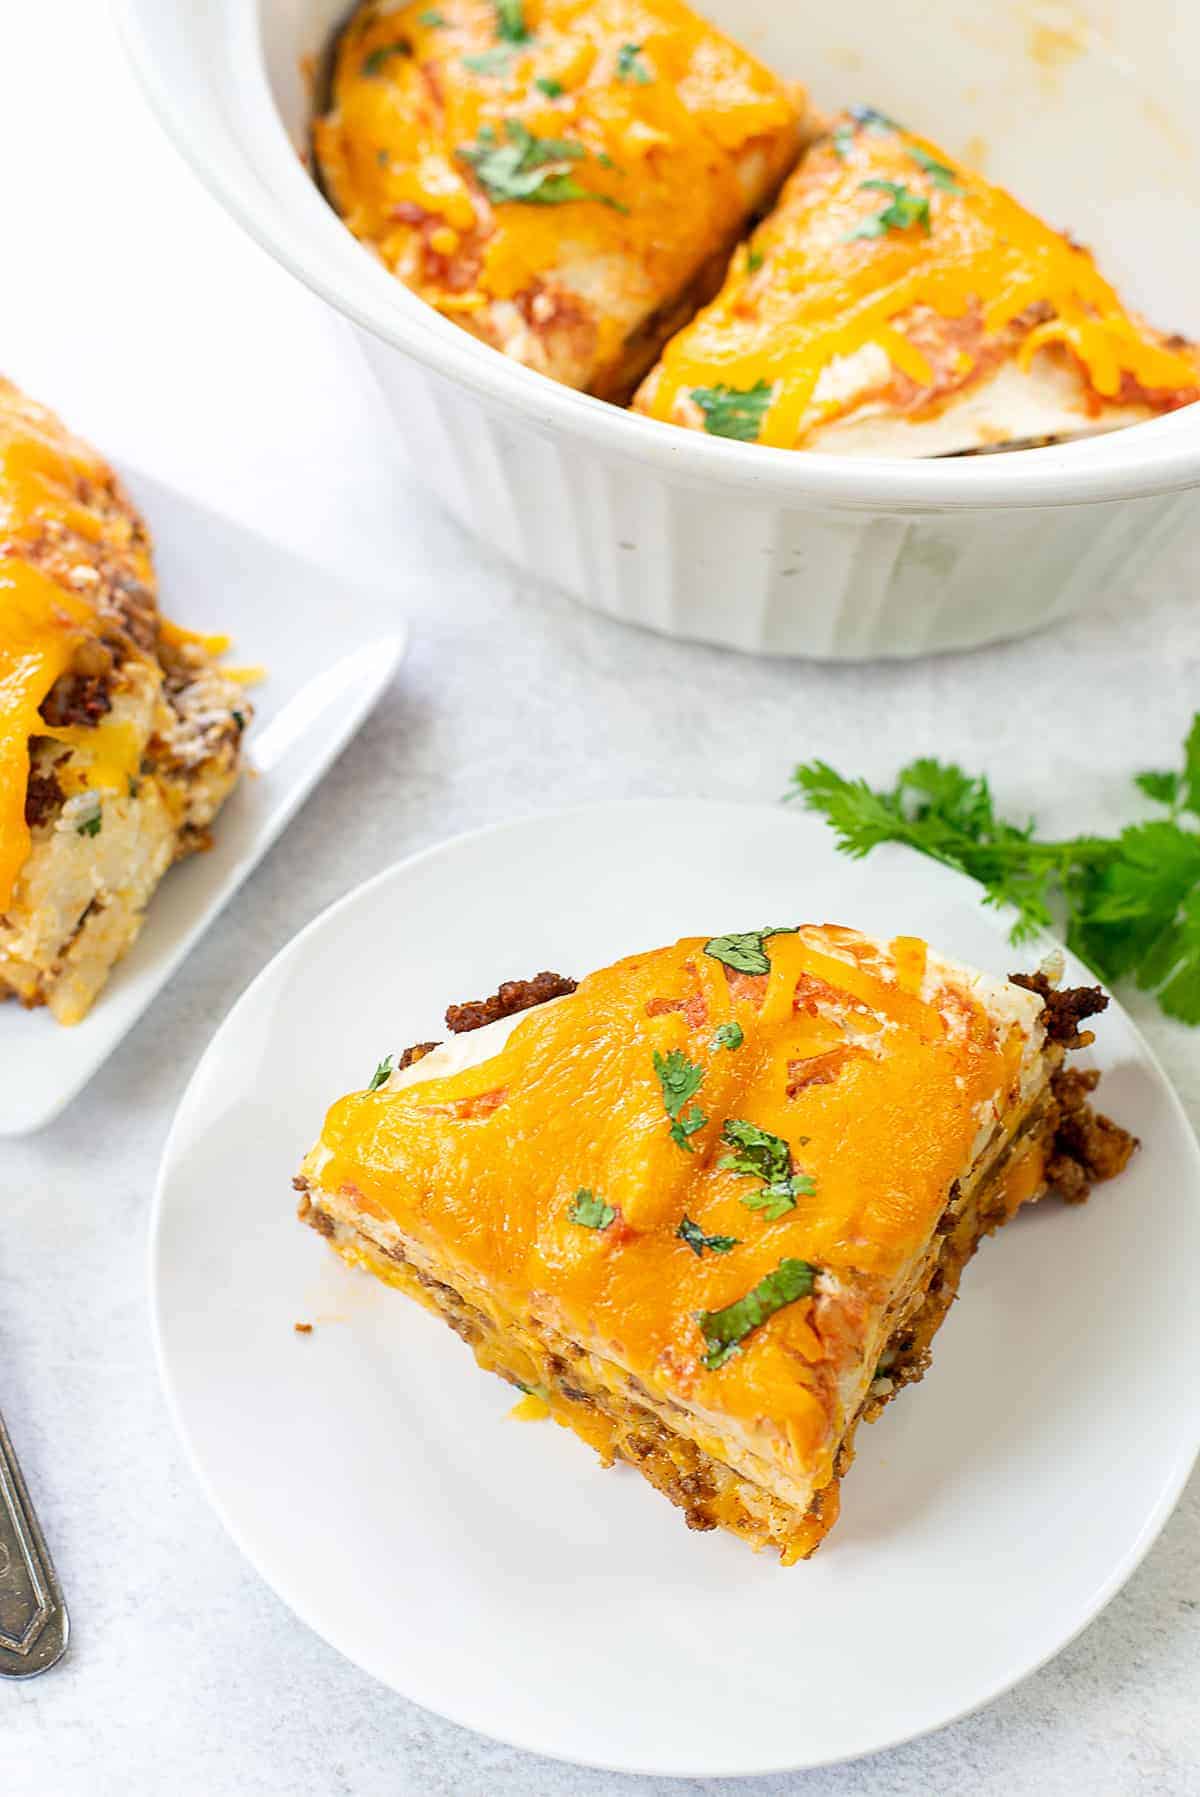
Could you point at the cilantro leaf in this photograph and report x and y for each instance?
(378, 59)
(904, 208)
(589, 1211)
(754, 260)
(760, 1155)
(553, 90)
(725, 1330)
(938, 172)
(743, 950)
(734, 412)
(528, 168)
(630, 67)
(510, 21)
(680, 1080)
(433, 20)
(729, 1035)
(495, 61)
(697, 1241)
(91, 818)
(382, 1073)
(1163, 788)
(872, 119)
(1128, 904)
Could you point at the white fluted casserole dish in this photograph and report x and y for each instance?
(776, 551)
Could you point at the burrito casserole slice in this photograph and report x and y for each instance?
(896, 304)
(120, 737)
(712, 1205)
(563, 178)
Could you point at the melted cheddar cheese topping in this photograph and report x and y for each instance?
(825, 277)
(654, 106)
(874, 1064)
(41, 626)
(71, 550)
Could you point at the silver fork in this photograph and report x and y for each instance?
(33, 1617)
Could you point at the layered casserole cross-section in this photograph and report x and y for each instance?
(711, 1205)
(120, 736)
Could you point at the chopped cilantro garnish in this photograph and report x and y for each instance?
(872, 119)
(377, 61)
(433, 20)
(490, 62)
(592, 1212)
(527, 168)
(938, 172)
(754, 261)
(729, 1035)
(630, 67)
(1131, 903)
(553, 90)
(904, 209)
(680, 1080)
(724, 1330)
(744, 951)
(133, 786)
(89, 825)
(606, 161)
(239, 718)
(510, 21)
(733, 411)
(760, 1155)
(697, 1241)
(382, 1073)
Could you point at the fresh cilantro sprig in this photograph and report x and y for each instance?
(728, 1035)
(510, 21)
(736, 412)
(697, 1241)
(938, 172)
(903, 210)
(381, 1074)
(535, 170)
(762, 1156)
(743, 949)
(861, 117)
(1130, 903)
(725, 1330)
(377, 60)
(589, 1211)
(495, 61)
(630, 66)
(680, 1080)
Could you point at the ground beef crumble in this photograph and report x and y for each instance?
(43, 796)
(513, 996)
(1065, 1010)
(1088, 1147)
(76, 699)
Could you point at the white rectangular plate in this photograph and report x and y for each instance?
(330, 648)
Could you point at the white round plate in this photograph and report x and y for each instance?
(491, 1569)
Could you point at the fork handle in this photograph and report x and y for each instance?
(33, 1616)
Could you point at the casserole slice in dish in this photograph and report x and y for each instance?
(120, 736)
(564, 180)
(711, 1206)
(896, 304)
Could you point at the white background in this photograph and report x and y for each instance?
(130, 303)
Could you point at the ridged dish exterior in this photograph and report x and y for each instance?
(833, 584)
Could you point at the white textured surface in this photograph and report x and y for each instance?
(143, 314)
